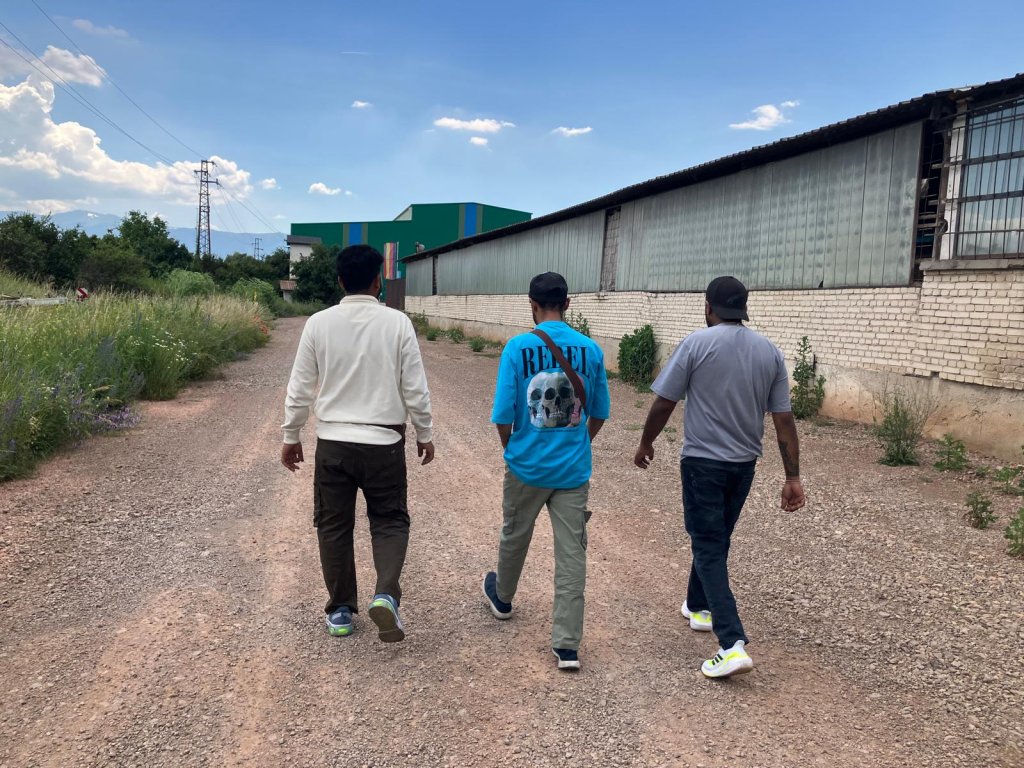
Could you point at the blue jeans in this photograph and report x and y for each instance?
(713, 497)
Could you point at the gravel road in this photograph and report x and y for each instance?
(162, 606)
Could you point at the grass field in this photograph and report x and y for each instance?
(73, 370)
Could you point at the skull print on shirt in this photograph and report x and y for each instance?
(551, 401)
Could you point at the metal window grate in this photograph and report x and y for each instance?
(987, 165)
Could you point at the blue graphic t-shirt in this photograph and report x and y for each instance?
(550, 445)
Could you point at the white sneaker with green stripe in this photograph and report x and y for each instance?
(726, 663)
(699, 620)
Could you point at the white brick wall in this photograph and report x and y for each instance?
(961, 326)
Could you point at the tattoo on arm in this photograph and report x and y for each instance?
(790, 458)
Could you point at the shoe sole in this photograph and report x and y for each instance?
(387, 624)
(497, 614)
(335, 631)
(694, 624)
(739, 668)
(570, 666)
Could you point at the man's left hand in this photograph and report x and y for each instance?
(425, 451)
(291, 456)
(793, 495)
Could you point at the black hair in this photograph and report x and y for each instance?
(552, 306)
(357, 266)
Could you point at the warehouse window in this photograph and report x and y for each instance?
(991, 195)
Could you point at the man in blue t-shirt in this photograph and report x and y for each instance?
(550, 402)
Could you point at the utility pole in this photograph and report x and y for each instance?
(203, 248)
(256, 248)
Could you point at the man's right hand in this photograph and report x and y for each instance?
(426, 451)
(291, 456)
(793, 495)
(644, 455)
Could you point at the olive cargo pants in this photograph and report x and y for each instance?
(568, 508)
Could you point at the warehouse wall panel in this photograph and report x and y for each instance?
(839, 217)
(506, 265)
(419, 278)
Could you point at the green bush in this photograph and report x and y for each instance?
(419, 322)
(952, 454)
(638, 354)
(477, 344)
(808, 388)
(1010, 479)
(578, 322)
(905, 413)
(1014, 534)
(456, 335)
(256, 290)
(432, 333)
(183, 282)
(979, 510)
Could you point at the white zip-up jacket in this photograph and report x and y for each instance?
(367, 361)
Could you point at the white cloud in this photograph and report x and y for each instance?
(766, 117)
(348, 193)
(357, 104)
(477, 125)
(319, 188)
(478, 141)
(570, 132)
(44, 207)
(269, 184)
(74, 69)
(89, 28)
(56, 165)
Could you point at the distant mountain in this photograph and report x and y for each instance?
(223, 243)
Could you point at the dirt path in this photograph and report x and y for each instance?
(161, 603)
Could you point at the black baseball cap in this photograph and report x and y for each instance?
(728, 298)
(549, 288)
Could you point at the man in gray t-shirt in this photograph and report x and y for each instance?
(730, 377)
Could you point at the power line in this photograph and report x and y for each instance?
(256, 214)
(110, 80)
(71, 91)
(231, 210)
(67, 87)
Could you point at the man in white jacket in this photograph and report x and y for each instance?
(367, 361)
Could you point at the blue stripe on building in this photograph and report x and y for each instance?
(470, 228)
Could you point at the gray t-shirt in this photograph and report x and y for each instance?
(730, 377)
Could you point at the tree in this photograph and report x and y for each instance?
(25, 245)
(113, 264)
(316, 278)
(66, 258)
(279, 264)
(149, 240)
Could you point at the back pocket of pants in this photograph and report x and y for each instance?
(318, 509)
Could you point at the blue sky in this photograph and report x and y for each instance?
(272, 92)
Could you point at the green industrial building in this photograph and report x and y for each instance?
(420, 226)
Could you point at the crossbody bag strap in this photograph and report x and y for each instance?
(574, 378)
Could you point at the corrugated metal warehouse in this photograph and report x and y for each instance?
(876, 237)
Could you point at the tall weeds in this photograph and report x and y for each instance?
(73, 370)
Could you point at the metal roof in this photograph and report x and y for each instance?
(930, 105)
(302, 240)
